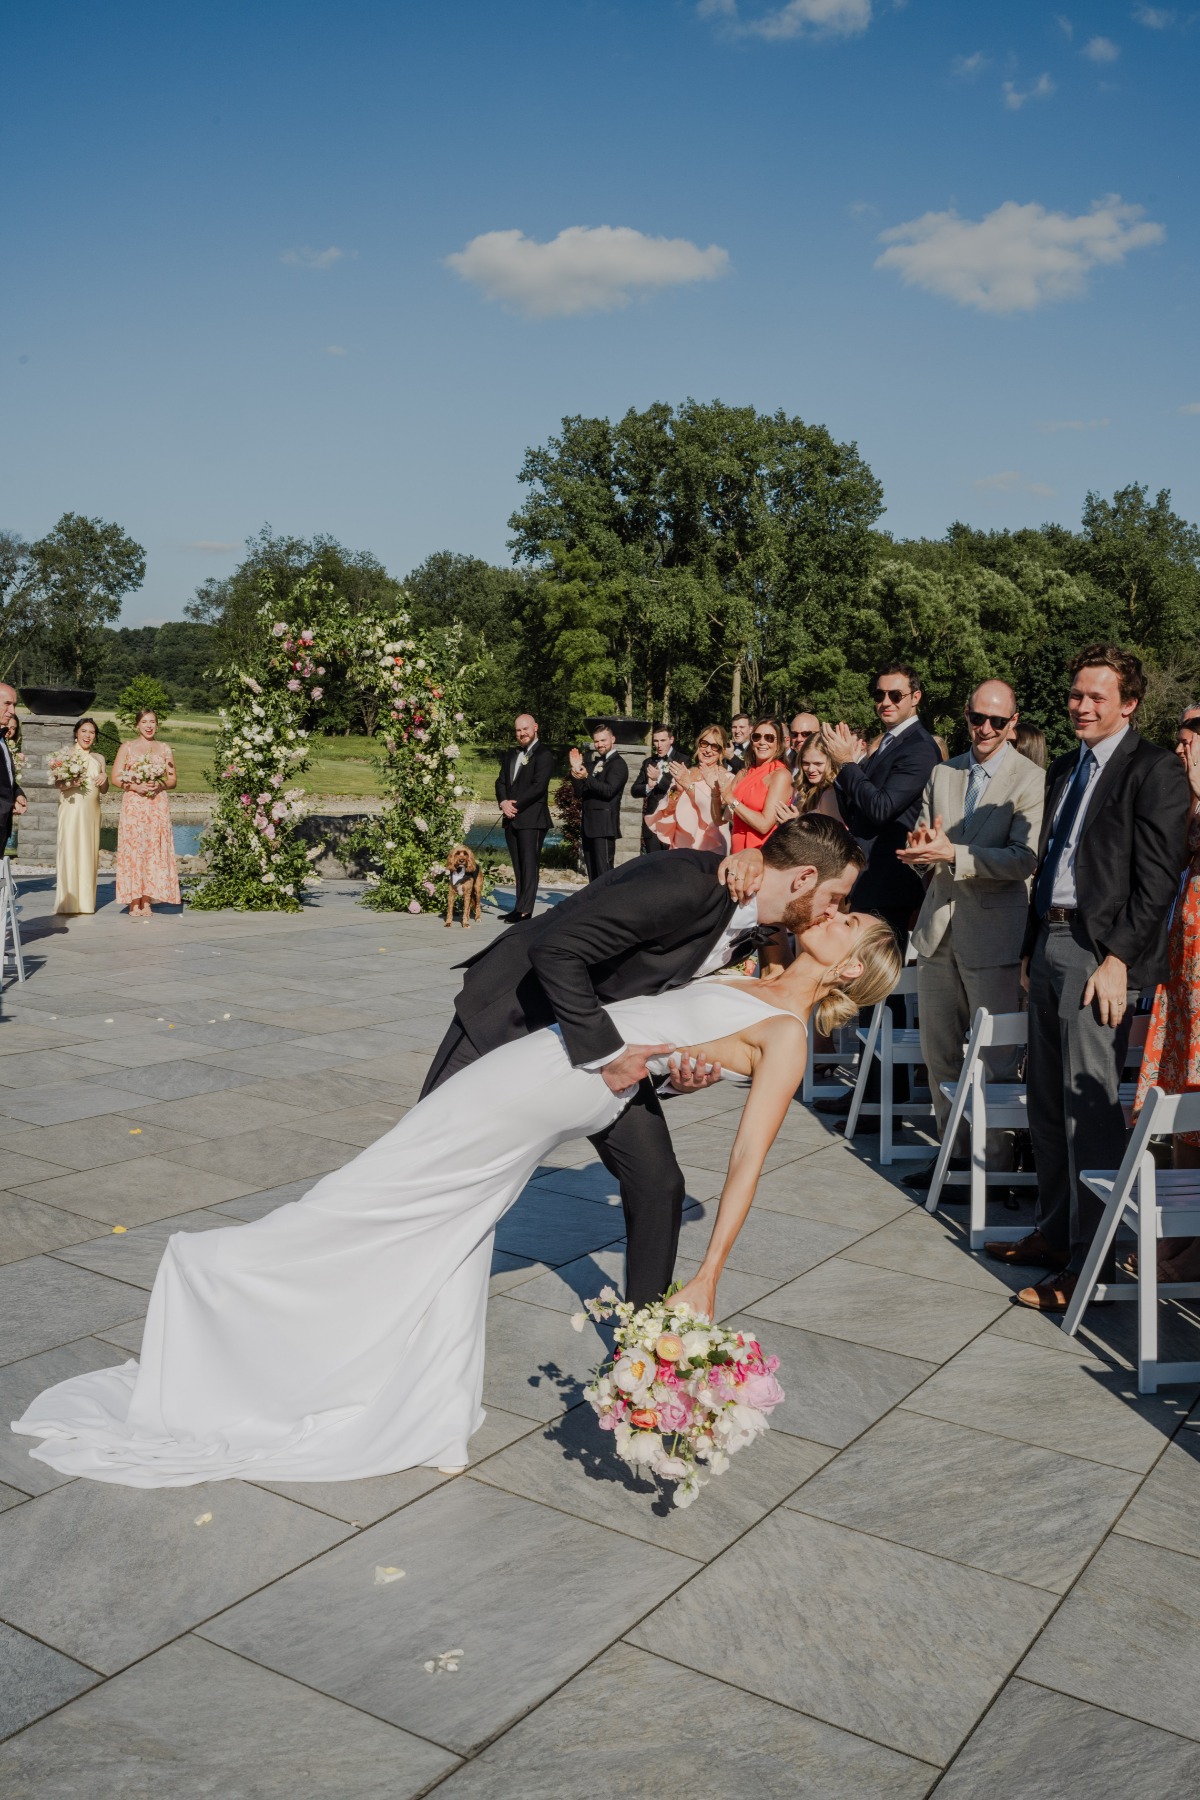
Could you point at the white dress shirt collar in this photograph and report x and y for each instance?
(744, 919)
(993, 762)
(890, 736)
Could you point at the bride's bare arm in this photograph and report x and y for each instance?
(773, 1086)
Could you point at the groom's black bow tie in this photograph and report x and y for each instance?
(754, 939)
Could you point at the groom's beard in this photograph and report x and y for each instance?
(798, 914)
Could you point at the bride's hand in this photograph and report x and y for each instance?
(689, 1074)
(700, 1294)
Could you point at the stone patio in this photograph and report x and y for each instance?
(966, 1560)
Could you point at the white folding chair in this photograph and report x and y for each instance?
(1157, 1203)
(1138, 1033)
(10, 915)
(883, 1042)
(810, 1088)
(991, 1106)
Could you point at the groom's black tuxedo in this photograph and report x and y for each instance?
(637, 930)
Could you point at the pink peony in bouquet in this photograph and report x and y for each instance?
(679, 1395)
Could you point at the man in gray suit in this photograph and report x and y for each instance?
(977, 835)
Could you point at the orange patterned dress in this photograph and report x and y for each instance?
(146, 851)
(1172, 1059)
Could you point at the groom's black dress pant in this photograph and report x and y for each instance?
(637, 1150)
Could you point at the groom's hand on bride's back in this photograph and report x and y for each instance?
(627, 1069)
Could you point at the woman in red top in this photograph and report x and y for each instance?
(761, 795)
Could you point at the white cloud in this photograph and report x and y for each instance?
(586, 268)
(1015, 258)
(211, 546)
(1193, 406)
(335, 350)
(1015, 98)
(1101, 50)
(1064, 25)
(306, 258)
(1154, 18)
(796, 18)
(967, 67)
(1011, 481)
(1051, 425)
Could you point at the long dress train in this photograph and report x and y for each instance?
(343, 1335)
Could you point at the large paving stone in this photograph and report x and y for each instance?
(44, 1302)
(1166, 1508)
(537, 1364)
(27, 1228)
(106, 1573)
(222, 1114)
(1036, 1745)
(21, 1383)
(903, 1648)
(468, 1552)
(33, 1681)
(356, 1125)
(1014, 1510)
(182, 1080)
(66, 1101)
(1127, 1636)
(27, 1074)
(936, 1249)
(556, 1227)
(193, 1722)
(134, 1256)
(834, 1389)
(255, 1160)
(889, 1311)
(572, 1465)
(769, 1243)
(91, 1143)
(137, 1192)
(1107, 1333)
(717, 1743)
(1062, 1402)
(257, 1206)
(565, 1289)
(834, 1186)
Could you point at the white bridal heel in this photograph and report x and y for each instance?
(461, 1469)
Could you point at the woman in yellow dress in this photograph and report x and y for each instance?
(78, 853)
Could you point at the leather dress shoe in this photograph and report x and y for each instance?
(921, 1180)
(1033, 1250)
(838, 1107)
(1052, 1294)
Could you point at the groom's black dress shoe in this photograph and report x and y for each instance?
(921, 1180)
(514, 918)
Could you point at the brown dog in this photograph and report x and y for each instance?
(466, 878)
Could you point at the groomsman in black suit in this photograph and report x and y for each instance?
(740, 754)
(653, 783)
(521, 788)
(12, 796)
(600, 782)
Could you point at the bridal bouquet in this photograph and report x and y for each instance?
(71, 767)
(679, 1395)
(144, 768)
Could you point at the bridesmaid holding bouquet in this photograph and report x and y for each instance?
(80, 775)
(146, 871)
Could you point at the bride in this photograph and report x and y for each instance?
(343, 1336)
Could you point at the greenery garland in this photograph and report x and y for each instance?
(256, 860)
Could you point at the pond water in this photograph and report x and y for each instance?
(186, 838)
(491, 837)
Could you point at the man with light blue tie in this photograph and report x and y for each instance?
(1112, 846)
(976, 837)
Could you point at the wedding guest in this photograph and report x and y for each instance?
(976, 837)
(652, 783)
(739, 755)
(521, 788)
(146, 869)
(943, 748)
(1030, 741)
(1172, 1058)
(77, 855)
(12, 794)
(1113, 841)
(691, 818)
(756, 800)
(599, 783)
(816, 773)
(799, 731)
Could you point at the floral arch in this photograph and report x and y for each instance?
(413, 690)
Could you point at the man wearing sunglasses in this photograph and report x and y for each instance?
(879, 797)
(976, 837)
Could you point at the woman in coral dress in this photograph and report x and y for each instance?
(146, 871)
(761, 795)
(77, 856)
(1172, 1059)
(690, 816)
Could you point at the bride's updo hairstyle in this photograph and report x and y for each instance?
(879, 954)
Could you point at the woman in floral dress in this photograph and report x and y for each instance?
(1172, 1059)
(145, 770)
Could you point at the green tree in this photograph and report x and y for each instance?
(1149, 558)
(484, 602)
(81, 572)
(22, 609)
(565, 628)
(143, 692)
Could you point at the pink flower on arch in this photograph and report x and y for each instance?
(414, 906)
(277, 630)
(293, 686)
(317, 693)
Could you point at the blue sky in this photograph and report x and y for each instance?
(228, 298)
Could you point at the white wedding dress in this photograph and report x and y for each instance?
(343, 1336)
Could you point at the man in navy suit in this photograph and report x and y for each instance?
(879, 797)
(12, 795)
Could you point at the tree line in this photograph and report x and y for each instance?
(680, 563)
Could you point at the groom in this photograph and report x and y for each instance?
(653, 924)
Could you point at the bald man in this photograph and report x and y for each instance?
(801, 727)
(12, 798)
(521, 788)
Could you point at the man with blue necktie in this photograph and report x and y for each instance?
(1112, 846)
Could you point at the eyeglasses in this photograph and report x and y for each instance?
(997, 724)
(895, 695)
(763, 737)
(710, 744)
